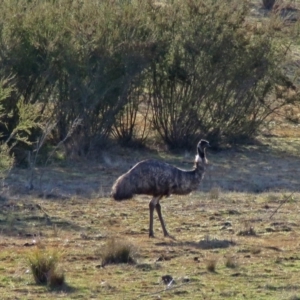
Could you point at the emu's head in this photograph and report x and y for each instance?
(202, 145)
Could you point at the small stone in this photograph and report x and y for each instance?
(227, 223)
(167, 279)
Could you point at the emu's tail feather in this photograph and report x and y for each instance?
(121, 190)
(118, 196)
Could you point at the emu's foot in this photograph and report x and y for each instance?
(151, 234)
(166, 234)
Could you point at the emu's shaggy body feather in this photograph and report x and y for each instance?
(156, 178)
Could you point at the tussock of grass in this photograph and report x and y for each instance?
(56, 230)
(117, 252)
(255, 250)
(231, 262)
(248, 231)
(44, 266)
(214, 193)
(56, 278)
(211, 265)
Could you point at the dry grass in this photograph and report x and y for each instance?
(214, 193)
(117, 252)
(43, 264)
(230, 240)
(211, 264)
(227, 220)
(209, 249)
(231, 262)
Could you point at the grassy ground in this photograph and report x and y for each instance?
(229, 224)
(233, 239)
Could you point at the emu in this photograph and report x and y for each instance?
(158, 179)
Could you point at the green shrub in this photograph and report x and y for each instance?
(201, 66)
(78, 60)
(6, 160)
(217, 75)
(16, 124)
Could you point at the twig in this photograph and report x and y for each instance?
(42, 209)
(284, 201)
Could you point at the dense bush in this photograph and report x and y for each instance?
(80, 59)
(25, 118)
(185, 68)
(216, 78)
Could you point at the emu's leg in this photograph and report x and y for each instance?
(158, 210)
(152, 205)
(151, 209)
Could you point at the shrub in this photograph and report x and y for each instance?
(6, 160)
(216, 76)
(44, 266)
(248, 231)
(211, 265)
(131, 124)
(231, 262)
(77, 60)
(116, 252)
(27, 120)
(203, 68)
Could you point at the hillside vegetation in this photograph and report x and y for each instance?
(85, 72)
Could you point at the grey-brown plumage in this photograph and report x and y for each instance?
(158, 179)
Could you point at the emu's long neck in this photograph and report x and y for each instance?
(201, 158)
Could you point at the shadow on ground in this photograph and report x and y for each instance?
(272, 166)
(254, 169)
(203, 244)
(26, 220)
